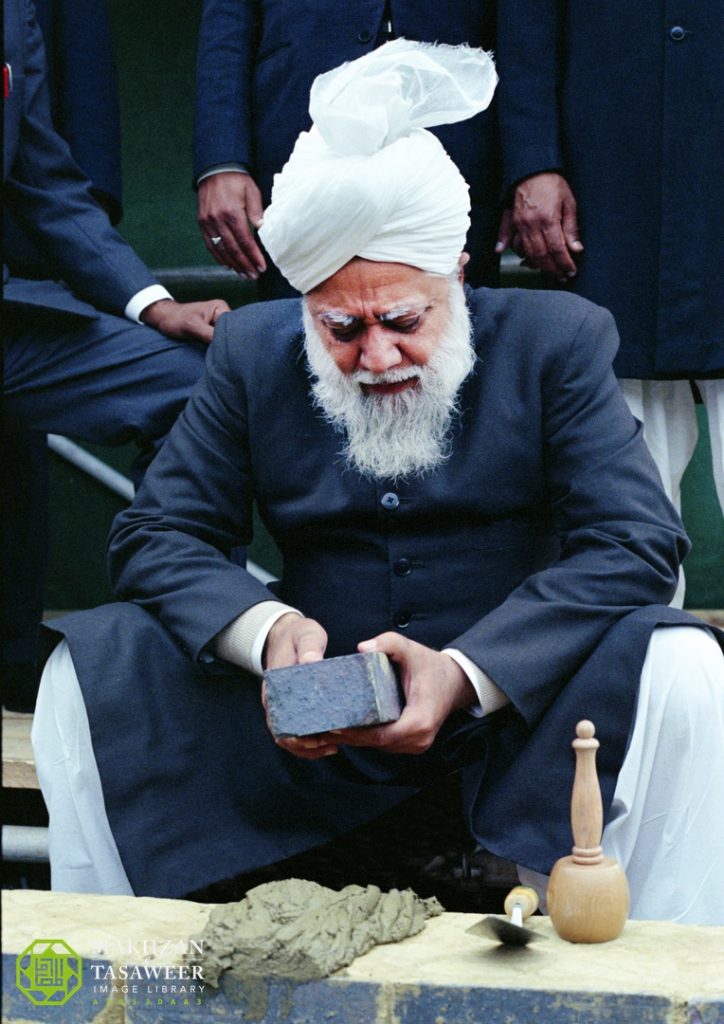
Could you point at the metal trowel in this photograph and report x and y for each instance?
(520, 903)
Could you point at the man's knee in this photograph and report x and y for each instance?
(55, 722)
(686, 668)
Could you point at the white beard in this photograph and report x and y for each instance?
(398, 435)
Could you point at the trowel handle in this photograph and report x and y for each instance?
(522, 897)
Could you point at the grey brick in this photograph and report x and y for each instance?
(356, 689)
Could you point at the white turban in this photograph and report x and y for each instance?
(368, 179)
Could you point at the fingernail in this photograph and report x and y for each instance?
(242, 275)
(260, 269)
(570, 274)
(499, 247)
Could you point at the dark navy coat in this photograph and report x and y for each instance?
(85, 111)
(48, 194)
(84, 89)
(627, 101)
(72, 364)
(257, 61)
(540, 549)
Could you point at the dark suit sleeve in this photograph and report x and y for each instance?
(86, 94)
(620, 539)
(226, 54)
(169, 552)
(530, 36)
(48, 194)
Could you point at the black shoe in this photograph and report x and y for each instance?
(472, 865)
(19, 684)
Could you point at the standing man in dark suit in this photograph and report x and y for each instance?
(612, 127)
(83, 84)
(85, 110)
(84, 96)
(256, 63)
(97, 348)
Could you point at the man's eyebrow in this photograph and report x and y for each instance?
(401, 312)
(338, 318)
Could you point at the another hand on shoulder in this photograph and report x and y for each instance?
(229, 207)
(187, 321)
(542, 225)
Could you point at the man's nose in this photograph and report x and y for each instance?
(379, 351)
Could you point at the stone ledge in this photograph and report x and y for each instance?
(18, 757)
(655, 973)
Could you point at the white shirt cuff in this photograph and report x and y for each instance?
(490, 696)
(144, 298)
(222, 169)
(242, 641)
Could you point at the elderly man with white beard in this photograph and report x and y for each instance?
(452, 478)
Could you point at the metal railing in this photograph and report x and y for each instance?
(115, 481)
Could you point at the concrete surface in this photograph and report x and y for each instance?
(18, 757)
(655, 973)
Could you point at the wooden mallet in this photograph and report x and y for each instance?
(588, 896)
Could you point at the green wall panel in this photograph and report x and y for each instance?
(156, 54)
(82, 512)
(704, 567)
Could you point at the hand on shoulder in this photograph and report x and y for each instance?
(187, 321)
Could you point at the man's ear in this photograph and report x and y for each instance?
(463, 260)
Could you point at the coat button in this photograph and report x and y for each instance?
(402, 567)
(677, 33)
(402, 619)
(389, 500)
(364, 36)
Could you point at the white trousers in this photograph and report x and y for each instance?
(668, 412)
(667, 828)
(667, 819)
(83, 853)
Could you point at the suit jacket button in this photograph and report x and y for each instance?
(364, 36)
(677, 33)
(402, 619)
(389, 500)
(402, 567)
